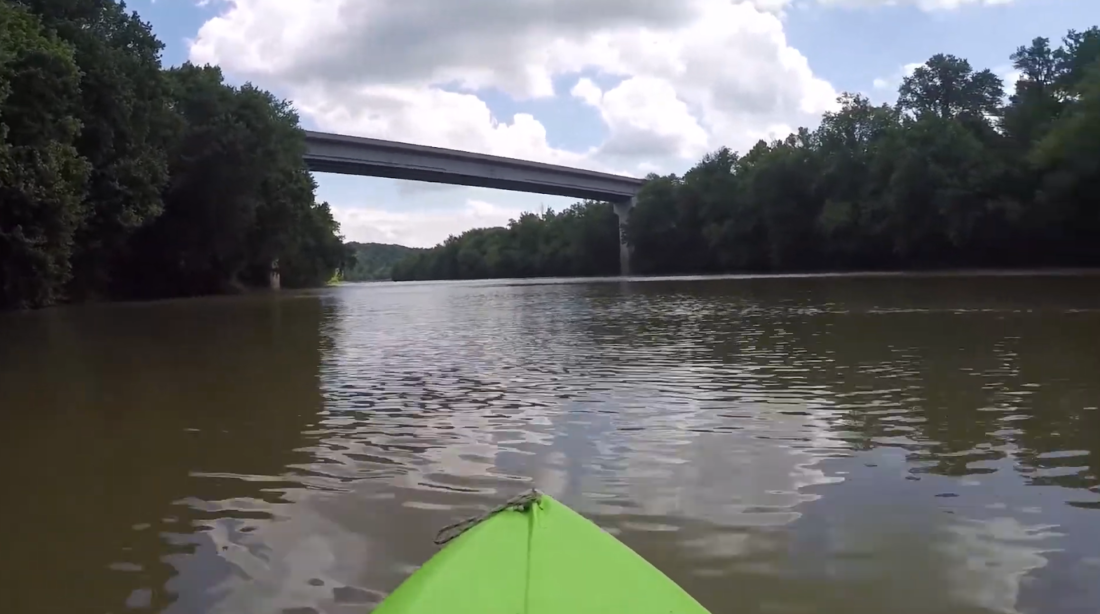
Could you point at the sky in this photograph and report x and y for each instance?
(623, 86)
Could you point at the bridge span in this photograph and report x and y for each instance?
(353, 155)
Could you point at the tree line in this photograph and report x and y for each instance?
(582, 240)
(373, 261)
(953, 174)
(120, 178)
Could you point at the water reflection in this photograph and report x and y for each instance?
(114, 420)
(775, 445)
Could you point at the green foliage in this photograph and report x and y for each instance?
(1069, 160)
(239, 199)
(316, 250)
(373, 261)
(583, 240)
(120, 179)
(950, 176)
(41, 175)
(123, 112)
(947, 87)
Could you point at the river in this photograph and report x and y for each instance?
(822, 444)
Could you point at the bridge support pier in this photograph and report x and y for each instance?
(274, 280)
(623, 211)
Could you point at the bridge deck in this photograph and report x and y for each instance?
(350, 155)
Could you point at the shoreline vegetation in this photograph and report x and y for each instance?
(962, 172)
(373, 261)
(123, 179)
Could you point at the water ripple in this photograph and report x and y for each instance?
(801, 444)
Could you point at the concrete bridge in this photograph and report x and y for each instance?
(351, 155)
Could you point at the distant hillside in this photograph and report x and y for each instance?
(375, 260)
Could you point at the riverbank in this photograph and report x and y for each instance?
(948, 176)
(245, 291)
(200, 186)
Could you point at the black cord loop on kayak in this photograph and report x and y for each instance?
(519, 503)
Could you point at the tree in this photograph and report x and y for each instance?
(121, 179)
(239, 199)
(782, 181)
(1069, 159)
(1076, 58)
(373, 261)
(946, 86)
(317, 251)
(1038, 98)
(653, 228)
(582, 240)
(123, 113)
(41, 174)
(852, 143)
(947, 177)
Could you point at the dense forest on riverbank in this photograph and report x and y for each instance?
(373, 261)
(583, 240)
(122, 179)
(951, 175)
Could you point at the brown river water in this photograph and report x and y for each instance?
(824, 445)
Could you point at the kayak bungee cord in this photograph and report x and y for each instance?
(537, 557)
(519, 503)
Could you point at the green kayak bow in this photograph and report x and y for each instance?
(534, 555)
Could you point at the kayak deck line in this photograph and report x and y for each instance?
(534, 555)
(519, 503)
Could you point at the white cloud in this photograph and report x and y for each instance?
(887, 87)
(1008, 74)
(419, 228)
(429, 116)
(925, 5)
(694, 75)
(587, 91)
(688, 76)
(646, 119)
